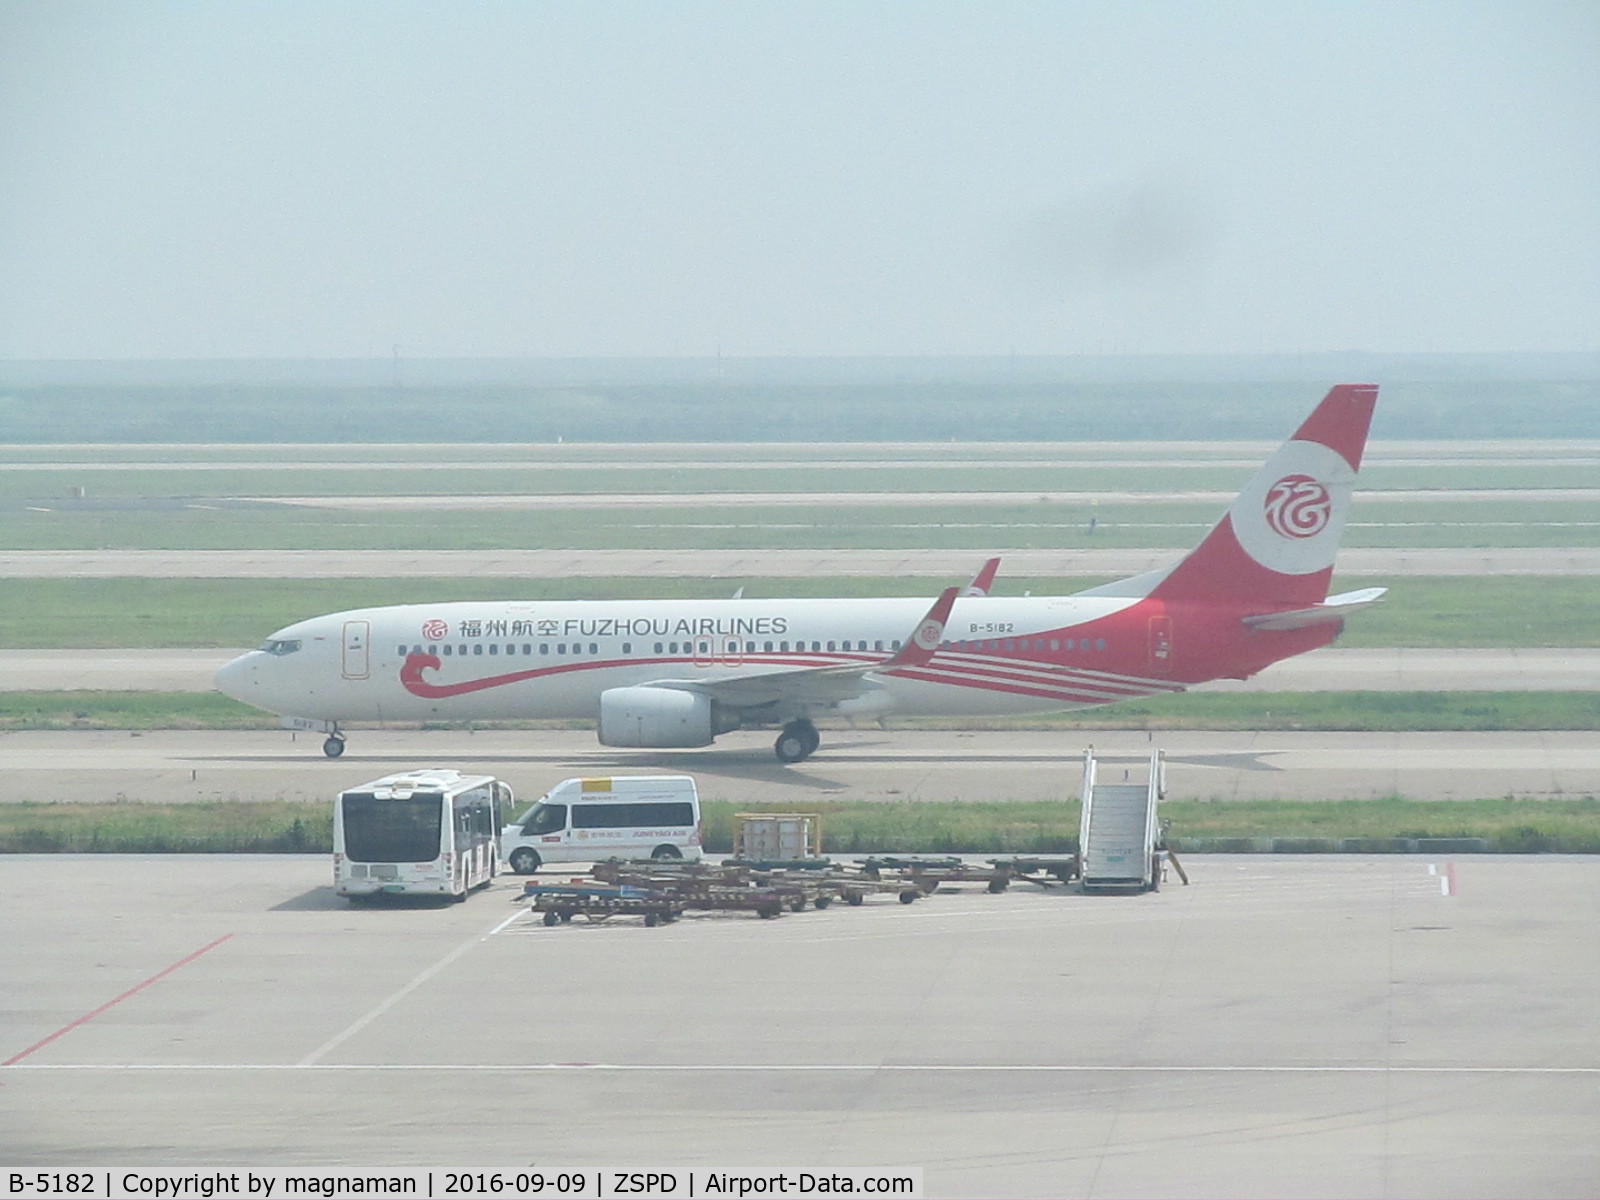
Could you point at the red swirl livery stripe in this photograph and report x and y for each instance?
(411, 678)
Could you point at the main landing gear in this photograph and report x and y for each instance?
(798, 741)
(334, 746)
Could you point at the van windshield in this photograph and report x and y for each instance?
(544, 818)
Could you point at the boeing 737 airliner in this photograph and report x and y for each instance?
(677, 673)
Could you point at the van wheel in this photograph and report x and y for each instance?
(662, 853)
(524, 861)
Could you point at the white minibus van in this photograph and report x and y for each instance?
(587, 820)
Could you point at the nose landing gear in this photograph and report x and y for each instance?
(798, 741)
(334, 746)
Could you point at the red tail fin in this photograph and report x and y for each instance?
(1277, 542)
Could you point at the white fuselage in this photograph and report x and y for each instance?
(552, 659)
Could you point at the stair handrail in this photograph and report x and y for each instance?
(1088, 799)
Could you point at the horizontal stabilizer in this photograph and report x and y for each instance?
(1334, 608)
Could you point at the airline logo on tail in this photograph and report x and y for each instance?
(1298, 507)
(1290, 518)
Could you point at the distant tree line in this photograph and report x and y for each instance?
(788, 412)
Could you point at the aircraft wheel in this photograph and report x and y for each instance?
(791, 747)
(334, 746)
(798, 741)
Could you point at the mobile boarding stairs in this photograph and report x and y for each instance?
(1120, 845)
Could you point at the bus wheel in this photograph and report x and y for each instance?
(661, 853)
(334, 746)
(524, 861)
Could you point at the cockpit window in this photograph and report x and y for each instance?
(281, 646)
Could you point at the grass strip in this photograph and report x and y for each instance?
(128, 710)
(1387, 712)
(1503, 825)
(128, 827)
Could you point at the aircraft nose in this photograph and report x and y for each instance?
(237, 677)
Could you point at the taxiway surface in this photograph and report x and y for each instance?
(1358, 1027)
(1327, 670)
(918, 765)
(734, 565)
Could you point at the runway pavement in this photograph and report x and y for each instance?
(947, 565)
(1355, 1027)
(1328, 670)
(916, 765)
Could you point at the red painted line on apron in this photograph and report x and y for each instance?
(136, 988)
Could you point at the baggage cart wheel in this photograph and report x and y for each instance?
(855, 899)
(823, 901)
(651, 920)
(996, 886)
(551, 917)
(909, 895)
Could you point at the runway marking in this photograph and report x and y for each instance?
(363, 1022)
(139, 987)
(813, 1068)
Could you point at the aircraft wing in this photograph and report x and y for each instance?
(1334, 608)
(824, 685)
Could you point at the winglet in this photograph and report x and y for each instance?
(983, 580)
(920, 646)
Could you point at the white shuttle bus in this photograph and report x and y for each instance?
(431, 832)
(587, 820)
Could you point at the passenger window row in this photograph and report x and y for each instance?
(566, 649)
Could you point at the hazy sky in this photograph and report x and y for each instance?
(239, 179)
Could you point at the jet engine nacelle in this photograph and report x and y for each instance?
(660, 718)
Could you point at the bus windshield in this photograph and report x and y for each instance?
(391, 831)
